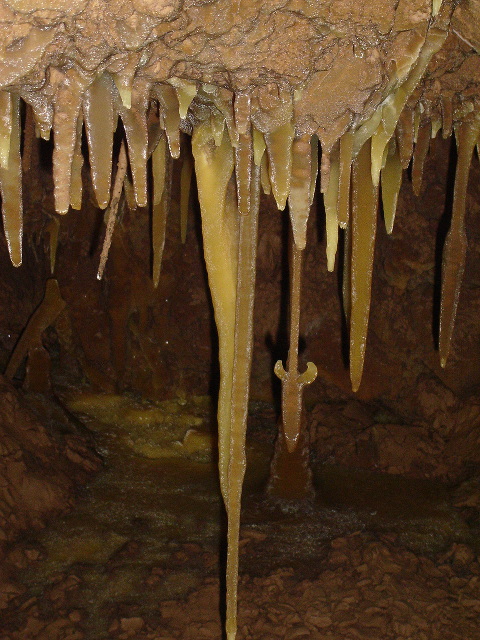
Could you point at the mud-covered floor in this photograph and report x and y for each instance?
(141, 555)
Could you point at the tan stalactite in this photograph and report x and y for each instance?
(136, 130)
(391, 181)
(293, 382)
(421, 150)
(454, 252)
(100, 125)
(247, 253)
(185, 186)
(243, 152)
(111, 212)
(186, 92)
(159, 206)
(170, 114)
(214, 168)
(5, 127)
(314, 144)
(346, 151)
(76, 186)
(347, 273)
(11, 182)
(67, 105)
(405, 136)
(364, 224)
(447, 117)
(330, 200)
(279, 147)
(299, 198)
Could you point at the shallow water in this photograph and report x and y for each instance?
(148, 527)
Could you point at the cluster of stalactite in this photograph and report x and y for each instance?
(233, 159)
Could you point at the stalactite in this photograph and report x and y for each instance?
(76, 187)
(314, 146)
(346, 150)
(135, 125)
(293, 382)
(11, 185)
(330, 199)
(185, 186)
(300, 190)
(405, 136)
(243, 152)
(455, 248)
(279, 147)
(171, 116)
(5, 127)
(186, 92)
(421, 150)
(347, 273)
(213, 169)
(111, 212)
(100, 125)
(259, 146)
(67, 105)
(247, 253)
(265, 175)
(159, 207)
(391, 180)
(364, 222)
(447, 117)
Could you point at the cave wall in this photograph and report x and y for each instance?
(121, 334)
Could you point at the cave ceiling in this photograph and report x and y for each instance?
(261, 88)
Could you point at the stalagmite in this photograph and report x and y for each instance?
(300, 189)
(330, 199)
(159, 207)
(293, 382)
(44, 315)
(76, 188)
(68, 101)
(421, 150)
(243, 152)
(391, 180)
(247, 253)
(100, 125)
(135, 124)
(111, 212)
(185, 186)
(343, 207)
(279, 148)
(11, 187)
(454, 251)
(213, 169)
(364, 222)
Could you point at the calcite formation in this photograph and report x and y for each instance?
(274, 95)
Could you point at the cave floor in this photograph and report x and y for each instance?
(373, 556)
